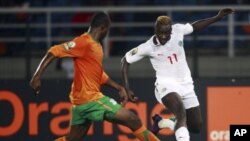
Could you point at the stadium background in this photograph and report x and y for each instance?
(218, 57)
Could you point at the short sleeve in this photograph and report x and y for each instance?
(138, 53)
(183, 28)
(74, 48)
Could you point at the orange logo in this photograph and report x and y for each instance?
(225, 106)
(34, 111)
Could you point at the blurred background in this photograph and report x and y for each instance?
(217, 56)
(28, 28)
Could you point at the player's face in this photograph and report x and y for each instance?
(163, 33)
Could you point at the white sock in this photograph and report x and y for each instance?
(182, 134)
(166, 123)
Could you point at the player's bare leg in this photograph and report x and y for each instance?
(194, 119)
(132, 121)
(174, 103)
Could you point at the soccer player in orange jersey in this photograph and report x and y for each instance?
(89, 104)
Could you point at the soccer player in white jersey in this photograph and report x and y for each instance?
(174, 85)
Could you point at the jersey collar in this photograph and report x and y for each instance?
(156, 41)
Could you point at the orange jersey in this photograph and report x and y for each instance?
(87, 55)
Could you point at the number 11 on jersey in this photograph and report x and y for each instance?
(174, 56)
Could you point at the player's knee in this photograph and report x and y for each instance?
(133, 121)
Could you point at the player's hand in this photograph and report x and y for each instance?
(224, 12)
(132, 96)
(123, 96)
(35, 84)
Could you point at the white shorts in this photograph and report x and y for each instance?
(186, 92)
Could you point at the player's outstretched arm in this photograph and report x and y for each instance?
(35, 82)
(125, 68)
(203, 23)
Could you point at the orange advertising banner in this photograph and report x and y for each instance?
(225, 106)
(35, 110)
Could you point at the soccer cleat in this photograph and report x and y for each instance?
(155, 128)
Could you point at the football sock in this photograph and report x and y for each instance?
(182, 134)
(145, 135)
(155, 127)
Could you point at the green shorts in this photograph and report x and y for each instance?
(94, 111)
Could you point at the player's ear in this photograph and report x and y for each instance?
(103, 27)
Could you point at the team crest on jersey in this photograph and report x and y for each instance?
(180, 43)
(69, 45)
(133, 51)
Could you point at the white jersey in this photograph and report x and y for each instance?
(169, 60)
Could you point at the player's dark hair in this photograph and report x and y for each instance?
(99, 19)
